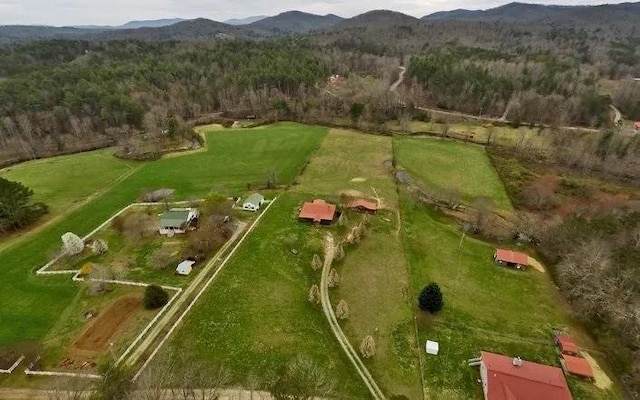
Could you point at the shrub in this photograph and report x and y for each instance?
(155, 297)
(368, 347)
(431, 298)
(316, 263)
(314, 295)
(334, 278)
(342, 310)
(72, 244)
(99, 246)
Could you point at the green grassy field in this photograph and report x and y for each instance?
(441, 165)
(256, 318)
(234, 159)
(374, 275)
(486, 307)
(351, 161)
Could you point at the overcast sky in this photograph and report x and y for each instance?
(115, 12)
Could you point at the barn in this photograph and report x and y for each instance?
(511, 258)
(318, 211)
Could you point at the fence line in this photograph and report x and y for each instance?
(14, 366)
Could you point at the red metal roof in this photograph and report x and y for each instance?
(529, 381)
(318, 211)
(567, 345)
(362, 203)
(577, 366)
(512, 257)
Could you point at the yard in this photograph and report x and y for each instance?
(442, 165)
(233, 159)
(255, 318)
(486, 307)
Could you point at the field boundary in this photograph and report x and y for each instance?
(201, 291)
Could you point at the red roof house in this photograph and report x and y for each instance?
(576, 366)
(637, 125)
(364, 205)
(511, 258)
(318, 211)
(567, 345)
(506, 378)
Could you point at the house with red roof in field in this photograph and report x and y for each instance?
(363, 205)
(577, 366)
(636, 126)
(318, 211)
(506, 378)
(511, 258)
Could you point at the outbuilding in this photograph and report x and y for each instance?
(363, 205)
(577, 366)
(511, 258)
(566, 344)
(253, 202)
(185, 267)
(432, 347)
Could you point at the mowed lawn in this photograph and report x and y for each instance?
(234, 159)
(255, 318)
(442, 165)
(486, 307)
(351, 161)
(374, 279)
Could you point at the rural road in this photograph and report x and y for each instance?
(184, 295)
(617, 119)
(399, 81)
(353, 356)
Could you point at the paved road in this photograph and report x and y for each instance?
(335, 327)
(399, 81)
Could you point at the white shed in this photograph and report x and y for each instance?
(432, 347)
(253, 202)
(185, 267)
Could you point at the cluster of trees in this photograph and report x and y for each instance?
(537, 88)
(17, 208)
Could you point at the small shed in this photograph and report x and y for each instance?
(432, 347)
(577, 366)
(511, 258)
(364, 205)
(566, 344)
(185, 267)
(253, 202)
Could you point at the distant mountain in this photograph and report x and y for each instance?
(627, 13)
(154, 23)
(295, 22)
(245, 21)
(23, 33)
(200, 28)
(378, 18)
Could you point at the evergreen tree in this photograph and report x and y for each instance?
(431, 298)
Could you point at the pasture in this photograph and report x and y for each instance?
(442, 166)
(255, 318)
(233, 160)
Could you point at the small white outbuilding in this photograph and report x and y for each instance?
(253, 202)
(185, 267)
(432, 347)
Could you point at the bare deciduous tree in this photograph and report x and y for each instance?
(368, 347)
(316, 262)
(72, 244)
(334, 278)
(314, 294)
(342, 310)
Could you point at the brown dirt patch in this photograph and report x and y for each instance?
(601, 380)
(359, 180)
(109, 324)
(352, 193)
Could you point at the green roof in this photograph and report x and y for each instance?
(174, 218)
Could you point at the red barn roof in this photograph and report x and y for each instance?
(365, 204)
(577, 366)
(567, 345)
(318, 211)
(512, 257)
(529, 381)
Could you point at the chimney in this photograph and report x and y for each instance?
(517, 361)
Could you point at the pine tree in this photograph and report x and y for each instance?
(431, 298)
